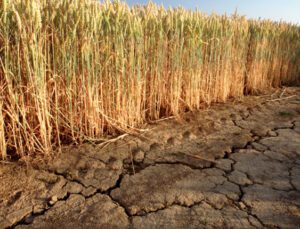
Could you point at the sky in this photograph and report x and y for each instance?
(287, 10)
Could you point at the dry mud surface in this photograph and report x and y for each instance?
(234, 165)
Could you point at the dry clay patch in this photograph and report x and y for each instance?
(233, 164)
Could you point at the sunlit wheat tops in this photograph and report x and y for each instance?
(73, 70)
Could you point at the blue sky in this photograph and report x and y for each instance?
(287, 10)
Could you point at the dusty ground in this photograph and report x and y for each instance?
(235, 165)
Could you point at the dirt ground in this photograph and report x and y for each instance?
(233, 165)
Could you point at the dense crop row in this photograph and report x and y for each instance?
(72, 70)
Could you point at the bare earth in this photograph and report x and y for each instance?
(234, 165)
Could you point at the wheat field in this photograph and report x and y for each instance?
(77, 70)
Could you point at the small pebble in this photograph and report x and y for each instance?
(53, 200)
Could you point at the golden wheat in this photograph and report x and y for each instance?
(77, 70)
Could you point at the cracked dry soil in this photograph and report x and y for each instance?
(234, 165)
